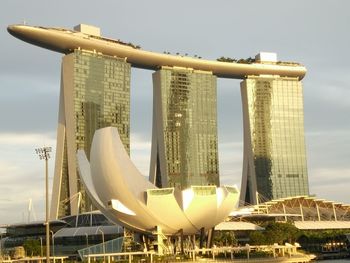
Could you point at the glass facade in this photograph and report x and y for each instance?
(274, 147)
(185, 144)
(101, 98)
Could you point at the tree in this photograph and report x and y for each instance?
(224, 238)
(257, 238)
(32, 247)
(275, 233)
(281, 232)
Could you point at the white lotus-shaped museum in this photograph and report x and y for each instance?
(126, 197)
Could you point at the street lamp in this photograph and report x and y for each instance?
(53, 245)
(44, 154)
(87, 239)
(41, 247)
(103, 244)
(0, 246)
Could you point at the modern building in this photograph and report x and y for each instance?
(137, 204)
(274, 163)
(67, 235)
(184, 149)
(185, 142)
(95, 93)
(305, 212)
(322, 223)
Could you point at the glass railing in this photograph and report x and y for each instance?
(111, 246)
(164, 191)
(204, 190)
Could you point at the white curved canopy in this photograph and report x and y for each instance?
(123, 194)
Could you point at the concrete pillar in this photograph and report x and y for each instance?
(160, 242)
(318, 212)
(201, 239)
(301, 212)
(335, 213)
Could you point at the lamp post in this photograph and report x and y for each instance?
(53, 245)
(0, 246)
(87, 239)
(44, 154)
(103, 244)
(41, 247)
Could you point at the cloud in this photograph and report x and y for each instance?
(140, 152)
(139, 143)
(328, 150)
(230, 163)
(325, 177)
(30, 139)
(22, 174)
(30, 79)
(330, 184)
(28, 104)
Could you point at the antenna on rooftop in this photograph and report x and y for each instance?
(31, 210)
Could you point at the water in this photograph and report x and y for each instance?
(334, 261)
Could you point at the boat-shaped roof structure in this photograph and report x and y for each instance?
(66, 40)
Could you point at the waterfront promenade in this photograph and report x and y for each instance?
(278, 253)
(275, 253)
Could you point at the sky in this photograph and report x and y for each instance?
(314, 33)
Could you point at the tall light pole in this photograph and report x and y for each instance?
(41, 247)
(0, 246)
(53, 245)
(87, 240)
(44, 154)
(103, 244)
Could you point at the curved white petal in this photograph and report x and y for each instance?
(122, 193)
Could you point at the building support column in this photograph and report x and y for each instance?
(210, 238)
(201, 238)
(284, 212)
(182, 241)
(301, 212)
(160, 241)
(318, 212)
(334, 213)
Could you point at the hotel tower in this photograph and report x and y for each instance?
(95, 93)
(185, 143)
(274, 162)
